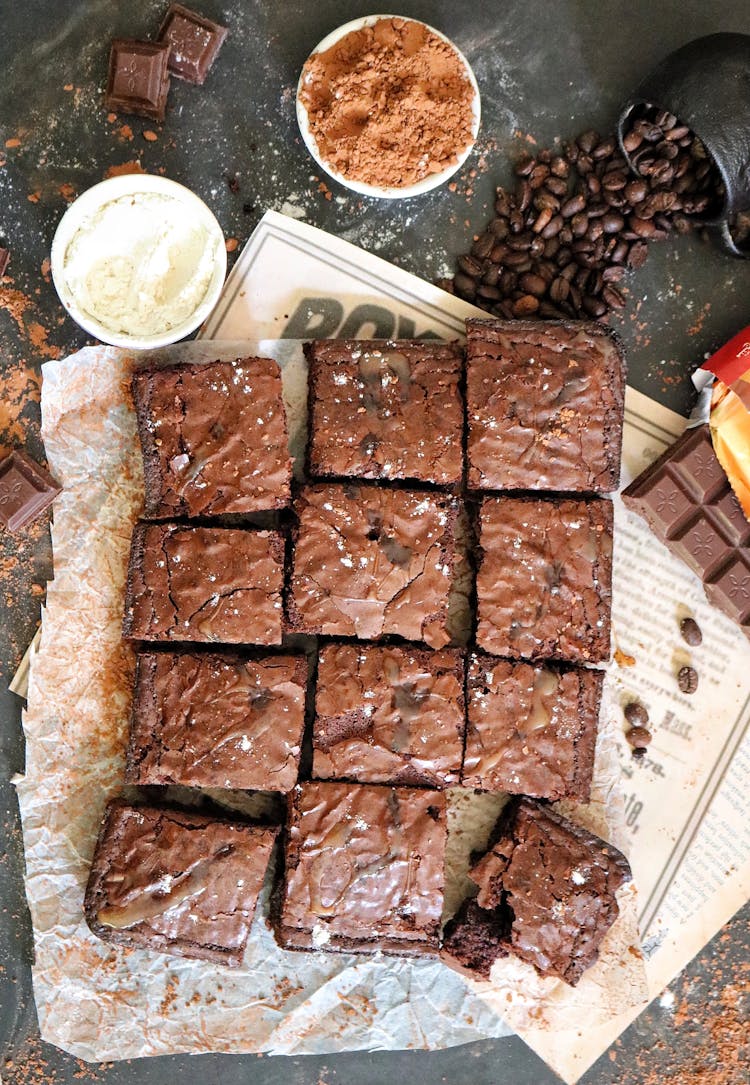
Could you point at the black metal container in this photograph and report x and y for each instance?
(706, 84)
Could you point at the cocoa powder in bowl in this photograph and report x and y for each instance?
(389, 104)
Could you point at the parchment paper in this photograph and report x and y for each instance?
(103, 1003)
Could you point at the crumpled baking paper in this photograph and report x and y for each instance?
(101, 1002)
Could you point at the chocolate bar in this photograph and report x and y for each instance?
(138, 80)
(26, 490)
(194, 43)
(4, 261)
(687, 501)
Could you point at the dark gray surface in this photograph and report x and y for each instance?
(545, 68)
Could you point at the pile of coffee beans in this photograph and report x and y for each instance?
(577, 220)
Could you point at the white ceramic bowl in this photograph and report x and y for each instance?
(87, 205)
(391, 193)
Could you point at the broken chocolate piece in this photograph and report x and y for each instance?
(4, 261)
(194, 43)
(26, 490)
(138, 80)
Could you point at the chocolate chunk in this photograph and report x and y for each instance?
(635, 714)
(4, 261)
(687, 501)
(138, 80)
(687, 679)
(691, 632)
(26, 490)
(194, 43)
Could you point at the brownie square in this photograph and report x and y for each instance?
(207, 720)
(221, 585)
(364, 869)
(545, 402)
(138, 78)
(385, 409)
(370, 561)
(531, 728)
(556, 883)
(214, 438)
(544, 585)
(177, 882)
(389, 715)
(194, 43)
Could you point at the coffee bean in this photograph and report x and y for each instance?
(533, 284)
(588, 140)
(525, 306)
(557, 186)
(483, 245)
(594, 307)
(553, 227)
(465, 286)
(614, 181)
(524, 165)
(605, 149)
(636, 191)
(637, 254)
(687, 679)
(559, 289)
(638, 737)
(632, 140)
(613, 297)
(635, 713)
(691, 632)
(573, 206)
(559, 167)
(612, 223)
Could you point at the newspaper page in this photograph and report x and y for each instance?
(687, 805)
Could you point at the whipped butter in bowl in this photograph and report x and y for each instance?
(139, 261)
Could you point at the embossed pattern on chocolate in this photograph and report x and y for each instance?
(390, 714)
(544, 584)
(177, 882)
(687, 501)
(364, 869)
(194, 42)
(387, 409)
(214, 584)
(26, 490)
(138, 79)
(544, 405)
(531, 728)
(206, 720)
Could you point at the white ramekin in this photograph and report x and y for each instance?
(427, 183)
(112, 189)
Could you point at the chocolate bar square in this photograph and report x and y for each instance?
(138, 80)
(545, 403)
(177, 882)
(364, 869)
(544, 585)
(208, 720)
(26, 490)
(385, 409)
(194, 43)
(531, 728)
(214, 438)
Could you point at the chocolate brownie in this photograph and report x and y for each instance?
(545, 403)
(385, 409)
(531, 728)
(389, 715)
(370, 561)
(475, 938)
(556, 882)
(364, 869)
(204, 584)
(217, 721)
(544, 585)
(214, 438)
(177, 882)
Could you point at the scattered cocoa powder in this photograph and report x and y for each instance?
(389, 104)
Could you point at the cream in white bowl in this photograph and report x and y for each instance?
(384, 191)
(139, 261)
